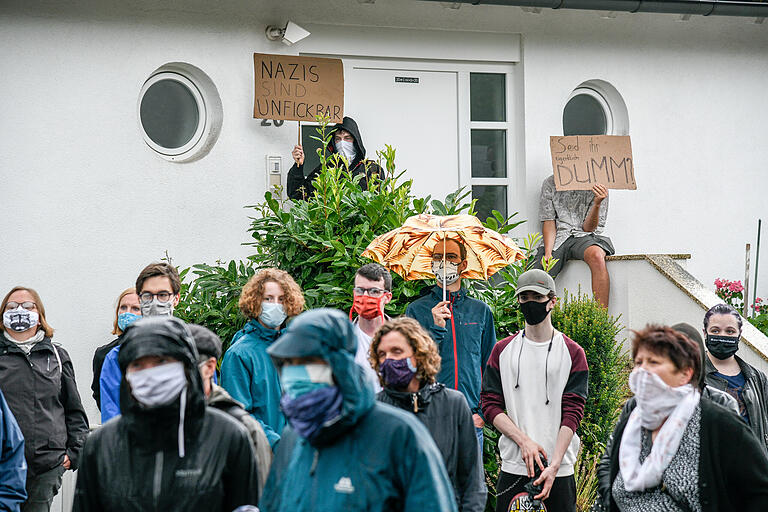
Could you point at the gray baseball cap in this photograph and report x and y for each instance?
(535, 280)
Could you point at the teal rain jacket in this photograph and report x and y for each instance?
(248, 375)
(465, 343)
(373, 457)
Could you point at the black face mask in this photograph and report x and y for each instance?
(722, 347)
(534, 312)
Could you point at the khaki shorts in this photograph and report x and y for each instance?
(573, 249)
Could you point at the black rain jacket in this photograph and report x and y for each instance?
(446, 415)
(132, 463)
(41, 392)
(300, 187)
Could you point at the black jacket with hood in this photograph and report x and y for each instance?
(446, 415)
(41, 392)
(132, 462)
(300, 186)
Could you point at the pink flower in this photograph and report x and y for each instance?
(758, 300)
(718, 283)
(736, 286)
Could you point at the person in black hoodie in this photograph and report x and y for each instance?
(166, 451)
(345, 141)
(407, 361)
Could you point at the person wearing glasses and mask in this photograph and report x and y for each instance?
(157, 287)
(372, 292)
(38, 381)
(268, 300)
(462, 327)
(345, 142)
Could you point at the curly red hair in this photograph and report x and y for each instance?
(253, 293)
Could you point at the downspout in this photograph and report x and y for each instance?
(697, 7)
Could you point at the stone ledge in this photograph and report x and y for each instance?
(639, 257)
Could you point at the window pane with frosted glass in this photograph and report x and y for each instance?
(489, 198)
(487, 97)
(584, 115)
(169, 114)
(489, 153)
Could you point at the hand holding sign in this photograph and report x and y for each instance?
(579, 162)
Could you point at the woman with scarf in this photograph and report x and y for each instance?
(128, 310)
(726, 371)
(38, 381)
(268, 301)
(407, 361)
(676, 451)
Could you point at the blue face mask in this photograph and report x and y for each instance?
(126, 319)
(272, 314)
(300, 379)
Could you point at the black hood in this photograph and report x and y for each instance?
(161, 336)
(350, 125)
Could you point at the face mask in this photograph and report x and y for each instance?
(301, 379)
(126, 319)
(159, 385)
(367, 307)
(19, 319)
(722, 347)
(346, 149)
(655, 399)
(157, 308)
(447, 269)
(272, 314)
(397, 373)
(309, 412)
(534, 312)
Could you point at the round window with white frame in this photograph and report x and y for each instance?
(179, 112)
(595, 107)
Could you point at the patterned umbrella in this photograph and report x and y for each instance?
(408, 249)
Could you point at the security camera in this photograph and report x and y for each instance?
(292, 33)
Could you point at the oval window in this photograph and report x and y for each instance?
(179, 112)
(586, 113)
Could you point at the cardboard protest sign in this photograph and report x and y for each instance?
(581, 161)
(296, 88)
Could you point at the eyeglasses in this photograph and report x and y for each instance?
(372, 292)
(161, 296)
(29, 306)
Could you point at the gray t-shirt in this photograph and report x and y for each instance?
(568, 208)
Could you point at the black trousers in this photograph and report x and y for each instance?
(562, 496)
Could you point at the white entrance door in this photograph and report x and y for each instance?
(413, 110)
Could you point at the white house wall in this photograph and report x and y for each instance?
(86, 204)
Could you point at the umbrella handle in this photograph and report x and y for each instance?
(443, 267)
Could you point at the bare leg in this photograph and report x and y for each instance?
(594, 256)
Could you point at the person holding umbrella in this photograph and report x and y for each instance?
(448, 249)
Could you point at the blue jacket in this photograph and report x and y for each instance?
(373, 457)
(248, 375)
(109, 383)
(465, 343)
(13, 466)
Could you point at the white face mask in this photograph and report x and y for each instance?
(447, 269)
(157, 308)
(159, 385)
(346, 149)
(19, 319)
(655, 399)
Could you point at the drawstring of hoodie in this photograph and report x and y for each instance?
(182, 411)
(546, 366)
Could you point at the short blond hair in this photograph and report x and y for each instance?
(424, 348)
(38, 303)
(253, 293)
(115, 328)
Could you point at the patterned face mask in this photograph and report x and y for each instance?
(19, 319)
(445, 271)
